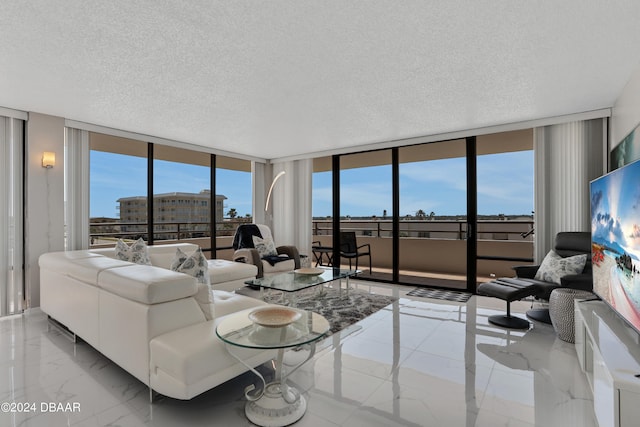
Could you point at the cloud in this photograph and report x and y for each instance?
(596, 199)
(606, 227)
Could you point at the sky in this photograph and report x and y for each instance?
(505, 185)
(114, 176)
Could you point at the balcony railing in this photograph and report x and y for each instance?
(432, 229)
(105, 232)
(439, 246)
(426, 246)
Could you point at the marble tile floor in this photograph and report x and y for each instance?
(418, 362)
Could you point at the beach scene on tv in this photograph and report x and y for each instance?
(615, 235)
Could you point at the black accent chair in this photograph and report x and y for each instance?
(349, 248)
(568, 243)
(511, 289)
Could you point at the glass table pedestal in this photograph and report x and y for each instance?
(275, 404)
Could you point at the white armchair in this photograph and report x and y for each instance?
(253, 244)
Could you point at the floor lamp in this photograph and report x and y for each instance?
(273, 183)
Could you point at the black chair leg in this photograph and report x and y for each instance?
(509, 321)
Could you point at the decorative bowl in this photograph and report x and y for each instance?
(274, 317)
(309, 271)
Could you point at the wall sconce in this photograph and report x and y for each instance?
(48, 159)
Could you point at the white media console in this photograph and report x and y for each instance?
(609, 353)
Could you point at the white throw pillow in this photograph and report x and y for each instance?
(554, 267)
(265, 247)
(196, 265)
(137, 252)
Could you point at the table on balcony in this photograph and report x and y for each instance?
(323, 255)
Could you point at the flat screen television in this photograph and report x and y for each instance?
(615, 240)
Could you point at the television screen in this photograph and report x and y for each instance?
(615, 240)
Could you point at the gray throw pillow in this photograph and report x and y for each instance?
(554, 267)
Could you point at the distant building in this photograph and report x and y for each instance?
(188, 210)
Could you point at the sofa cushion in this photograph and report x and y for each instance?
(147, 284)
(136, 253)
(196, 352)
(195, 265)
(81, 265)
(230, 302)
(554, 267)
(222, 270)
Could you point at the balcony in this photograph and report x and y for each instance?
(432, 252)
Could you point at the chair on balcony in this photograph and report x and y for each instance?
(349, 248)
(254, 244)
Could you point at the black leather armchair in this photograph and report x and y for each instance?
(567, 244)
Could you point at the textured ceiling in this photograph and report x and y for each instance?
(286, 77)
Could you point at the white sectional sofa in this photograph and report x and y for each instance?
(145, 318)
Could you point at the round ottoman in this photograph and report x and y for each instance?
(562, 312)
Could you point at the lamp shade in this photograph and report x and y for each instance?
(48, 159)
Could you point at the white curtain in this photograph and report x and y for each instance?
(567, 157)
(291, 204)
(261, 179)
(76, 190)
(11, 215)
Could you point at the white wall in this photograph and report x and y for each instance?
(44, 193)
(626, 110)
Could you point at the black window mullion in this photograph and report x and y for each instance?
(212, 204)
(472, 214)
(150, 219)
(335, 167)
(395, 252)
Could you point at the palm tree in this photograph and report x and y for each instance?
(420, 214)
(232, 213)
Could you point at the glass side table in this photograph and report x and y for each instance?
(276, 403)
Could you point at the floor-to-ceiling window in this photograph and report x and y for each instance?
(433, 214)
(443, 214)
(192, 192)
(366, 209)
(11, 215)
(233, 200)
(505, 197)
(181, 195)
(118, 189)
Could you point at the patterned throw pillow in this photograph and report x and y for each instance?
(196, 265)
(265, 247)
(554, 267)
(178, 259)
(137, 252)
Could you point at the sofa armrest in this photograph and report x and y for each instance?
(249, 256)
(292, 252)
(526, 271)
(582, 282)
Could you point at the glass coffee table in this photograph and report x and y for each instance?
(303, 278)
(267, 328)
